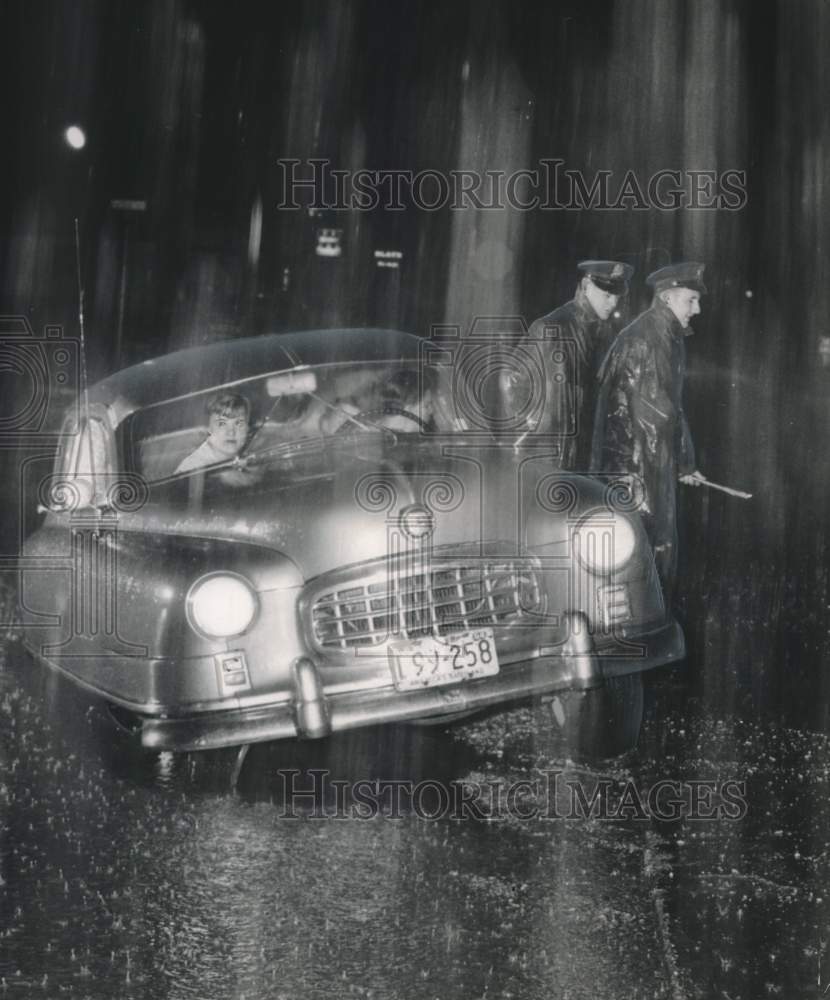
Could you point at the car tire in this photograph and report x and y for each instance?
(602, 722)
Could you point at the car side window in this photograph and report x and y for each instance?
(158, 455)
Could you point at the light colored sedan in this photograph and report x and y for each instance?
(296, 534)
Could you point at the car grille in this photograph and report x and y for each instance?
(448, 598)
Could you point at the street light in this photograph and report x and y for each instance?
(75, 137)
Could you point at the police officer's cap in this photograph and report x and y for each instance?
(609, 275)
(687, 274)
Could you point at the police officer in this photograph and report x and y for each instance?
(573, 340)
(640, 428)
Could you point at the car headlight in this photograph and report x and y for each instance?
(221, 605)
(603, 542)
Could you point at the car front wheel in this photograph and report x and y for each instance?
(602, 722)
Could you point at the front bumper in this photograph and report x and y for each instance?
(311, 713)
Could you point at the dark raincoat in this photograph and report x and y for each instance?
(572, 341)
(640, 427)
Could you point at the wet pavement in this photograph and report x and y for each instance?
(145, 876)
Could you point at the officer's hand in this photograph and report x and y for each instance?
(695, 478)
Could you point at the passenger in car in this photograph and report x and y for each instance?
(229, 415)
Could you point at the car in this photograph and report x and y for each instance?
(365, 550)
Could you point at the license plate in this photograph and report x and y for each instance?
(429, 662)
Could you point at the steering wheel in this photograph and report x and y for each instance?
(387, 410)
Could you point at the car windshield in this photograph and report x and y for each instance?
(277, 415)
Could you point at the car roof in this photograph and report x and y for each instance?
(198, 368)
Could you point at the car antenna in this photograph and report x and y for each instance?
(84, 384)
